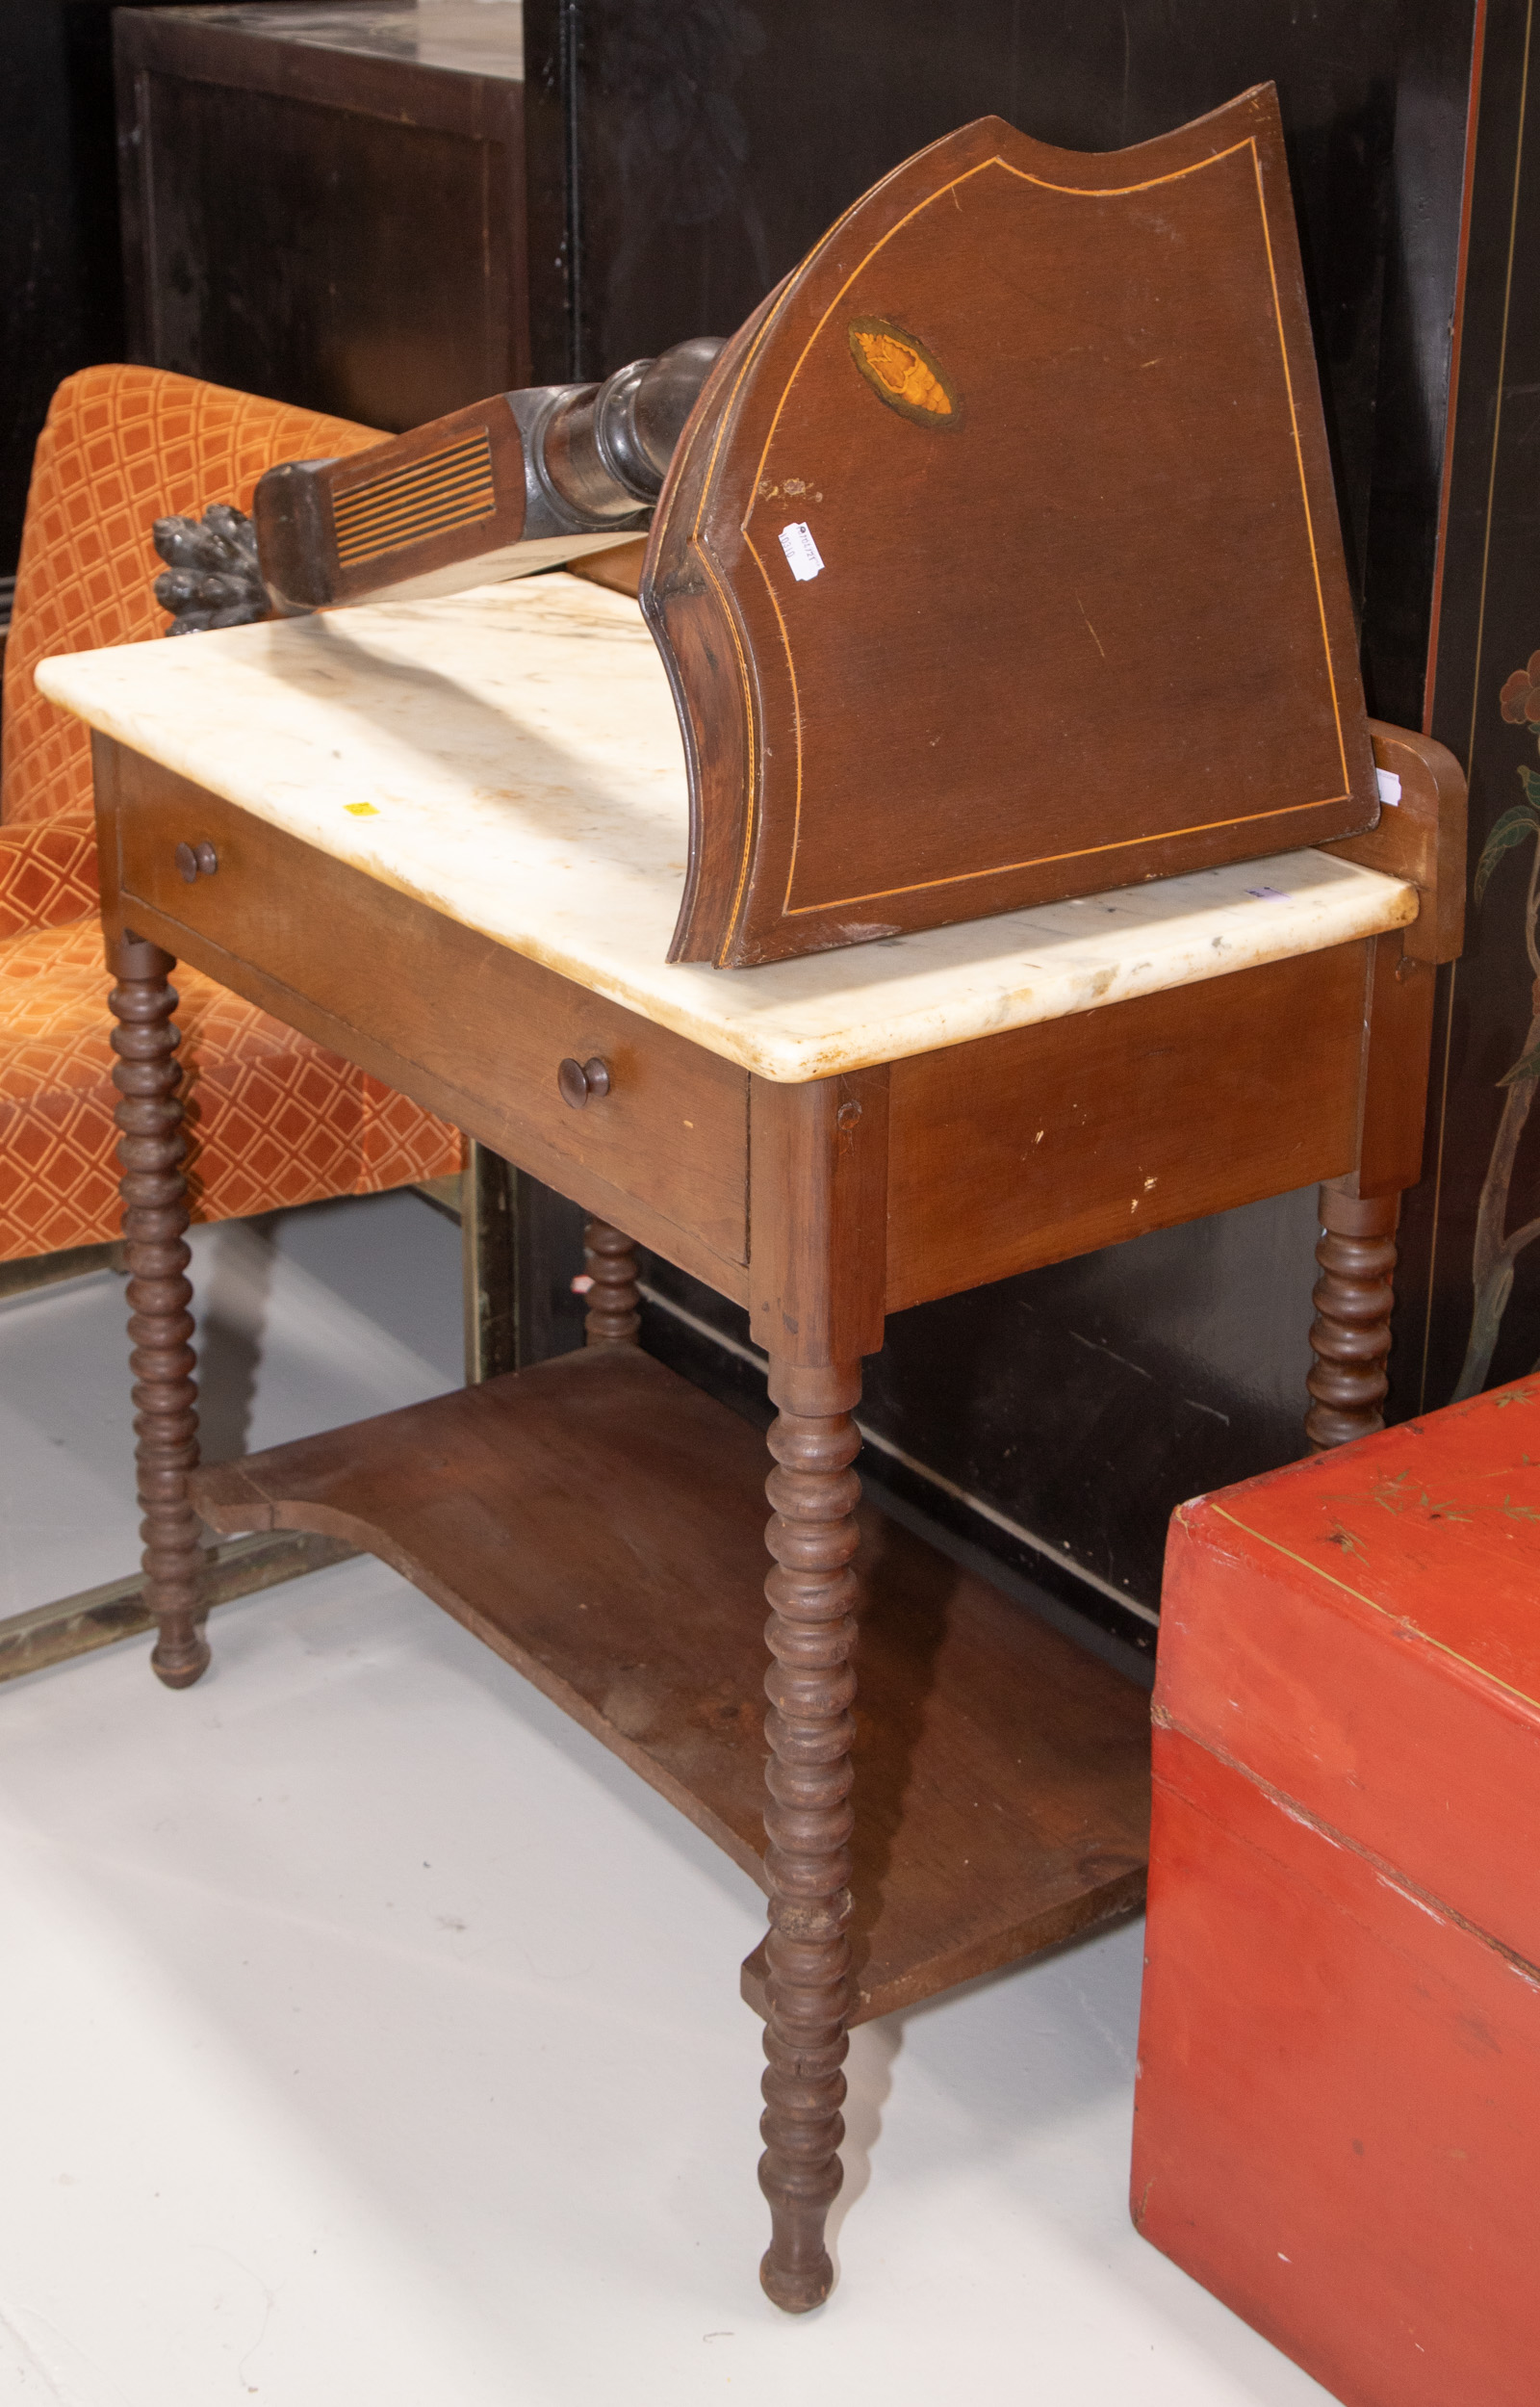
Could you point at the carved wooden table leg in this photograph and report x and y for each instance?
(610, 1258)
(1350, 1335)
(809, 1820)
(150, 1151)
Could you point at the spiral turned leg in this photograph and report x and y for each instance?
(610, 1258)
(811, 1685)
(1350, 1335)
(150, 1151)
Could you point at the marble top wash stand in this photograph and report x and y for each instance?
(998, 561)
(448, 839)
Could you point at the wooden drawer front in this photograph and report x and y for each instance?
(488, 1027)
(1051, 1141)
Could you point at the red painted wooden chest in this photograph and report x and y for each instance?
(1338, 2124)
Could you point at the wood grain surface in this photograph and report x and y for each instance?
(1420, 837)
(462, 472)
(1000, 561)
(1001, 1773)
(356, 233)
(1045, 1142)
(817, 1209)
(461, 1023)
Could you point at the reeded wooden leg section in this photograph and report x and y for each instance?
(1350, 1335)
(811, 1685)
(614, 1319)
(150, 1151)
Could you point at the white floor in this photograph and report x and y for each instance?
(367, 2035)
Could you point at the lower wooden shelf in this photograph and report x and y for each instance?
(600, 1523)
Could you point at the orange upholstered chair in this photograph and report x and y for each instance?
(275, 1119)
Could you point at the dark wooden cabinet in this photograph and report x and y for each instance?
(339, 205)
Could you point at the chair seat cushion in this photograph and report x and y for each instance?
(47, 873)
(275, 1118)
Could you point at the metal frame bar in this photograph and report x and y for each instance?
(49, 1270)
(484, 1201)
(99, 1617)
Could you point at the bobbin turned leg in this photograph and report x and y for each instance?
(610, 1258)
(1351, 1334)
(811, 1685)
(150, 1151)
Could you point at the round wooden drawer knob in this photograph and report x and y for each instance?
(580, 1081)
(196, 861)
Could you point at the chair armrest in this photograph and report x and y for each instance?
(1421, 838)
(47, 873)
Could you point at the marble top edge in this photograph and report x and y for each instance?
(1007, 972)
(466, 36)
(511, 757)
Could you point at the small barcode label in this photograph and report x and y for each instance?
(802, 553)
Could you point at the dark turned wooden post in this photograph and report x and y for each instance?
(1420, 837)
(811, 1727)
(150, 1150)
(609, 1256)
(1353, 1299)
(817, 1216)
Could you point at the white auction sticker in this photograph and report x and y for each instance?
(1389, 784)
(802, 553)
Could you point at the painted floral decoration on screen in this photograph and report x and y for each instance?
(1496, 1251)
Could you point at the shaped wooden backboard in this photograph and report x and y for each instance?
(1000, 560)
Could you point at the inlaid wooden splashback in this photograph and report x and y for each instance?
(1000, 561)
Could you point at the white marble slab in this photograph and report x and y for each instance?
(512, 757)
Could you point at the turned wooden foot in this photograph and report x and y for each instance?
(150, 1152)
(1351, 1334)
(811, 1685)
(610, 1258)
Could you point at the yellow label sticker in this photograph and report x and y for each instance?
(902, 373)
(361, 810)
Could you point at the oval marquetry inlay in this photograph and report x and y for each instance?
(902, 373)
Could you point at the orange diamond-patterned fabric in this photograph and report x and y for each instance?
(47, 873)
(274, 1118)
(122, 446)
(270, 1120)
